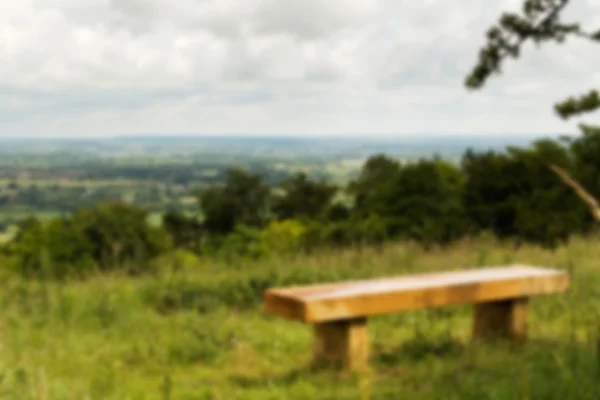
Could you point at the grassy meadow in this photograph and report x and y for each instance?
(195, 330)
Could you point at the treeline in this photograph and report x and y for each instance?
(68, 198)
(168, 171)
(511, 194)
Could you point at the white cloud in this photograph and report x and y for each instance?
(106, 67)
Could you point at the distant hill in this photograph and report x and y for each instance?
(261, 146)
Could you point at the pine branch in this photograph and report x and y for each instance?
(499, 47)
(573, 106)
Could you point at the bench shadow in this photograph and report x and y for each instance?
(287, 378)
(419, 348)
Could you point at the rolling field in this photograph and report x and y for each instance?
(196, 330)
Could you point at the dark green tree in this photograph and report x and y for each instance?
(514, 194)
(28, 223)
(303, 198)
(119, 233)
(493, 180)
(104, 238)
(420, 200)
(424, 202)
(378, 172)
(244, 199)
(186, 232)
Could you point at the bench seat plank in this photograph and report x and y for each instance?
(356, 299)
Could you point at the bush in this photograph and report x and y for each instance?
(282, 237)
(243, 242)
(109, 236)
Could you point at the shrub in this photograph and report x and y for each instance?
(109, 236)
(282, 237)
(243, 242)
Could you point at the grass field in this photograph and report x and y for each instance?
(196, 331)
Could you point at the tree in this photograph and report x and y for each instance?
(539, 22)
(104, 237)
(243, 200)
(513, 194)
(421, 200)
(377, 172)
(303, 198)
(119, 233)
(489, 187)
(424, 202)
(186, 232)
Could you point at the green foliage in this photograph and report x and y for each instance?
(585, 151)
(119, 233)
(421, 200)
(336, 212)
(512, 194)
(242, 243)
(516, 195)
(51, 249)
(243, 200)
(186, 232)
(426, 199)
(283, 237)
(303, 198)
(540, 22)
(378, 172)
(573, 106)
(108, 236)
(372, 230)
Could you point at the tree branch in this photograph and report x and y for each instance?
(583, 194)
(583, 104)
(493, 55)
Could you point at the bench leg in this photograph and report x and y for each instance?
(341, 343)
(501, 318)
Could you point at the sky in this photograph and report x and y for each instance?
(393, 68)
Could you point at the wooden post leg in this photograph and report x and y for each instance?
(501, 318)
(342, 343)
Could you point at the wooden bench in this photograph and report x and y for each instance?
(339, 311)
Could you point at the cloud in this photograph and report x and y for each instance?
(106, 67)
(313, 19)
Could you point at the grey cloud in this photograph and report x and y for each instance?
(310, 19)
(280, 65)
(137, 9)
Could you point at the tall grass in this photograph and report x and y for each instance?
(195, 330)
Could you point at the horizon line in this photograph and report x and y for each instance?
(359, 136)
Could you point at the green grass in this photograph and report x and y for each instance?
(196, 331)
